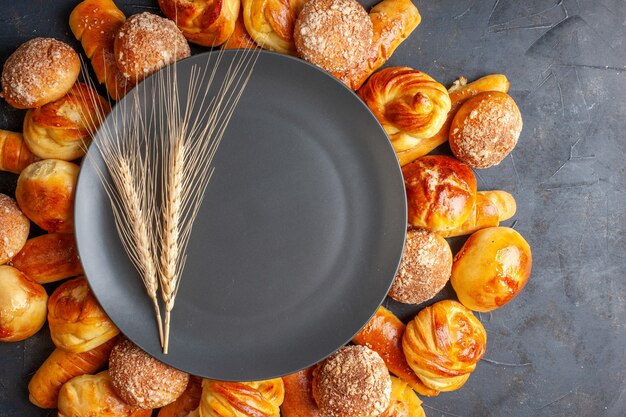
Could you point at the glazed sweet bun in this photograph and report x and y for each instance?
(146, 43)
(45, 193)
(14, 228)
(485, 129)
(404, 401)
(22, 305)
(333, 34)
(38, 72)
(77, 322)
(441, 192)
(142, 381)
(352, 382)
(425, 267)
(241, 399)
(491, 268)
(61, 129)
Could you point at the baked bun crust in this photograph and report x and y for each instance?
(61, 129)
(491, 268)
(238, 399)
(441, 192)
(425, 267)
(333, 34)
(352, 382)
(204, 22)
(45, 193)
(404, 401)
(14, 228)
(187, 402)
(14, 154)
(22, 305)
(146, 43)
(41, 70)
(271, 23)
(299, 401)
(143, 381)
(77, 322)
(443, 343)
(485, 129)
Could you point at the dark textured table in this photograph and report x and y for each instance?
(558, 349)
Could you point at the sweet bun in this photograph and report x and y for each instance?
(143, 381)
(404, 402)
(299, 401)
(61, 129)
(441, 192)
(41, 70)
(45, 193)
(14, 228)
(187, 402)
(443, 343)
(22, 305)
(205, 22)
(77, 322)
(333, 34)
(146, 43)
(14, 154)
(425, 267)
(485, 129)
(271, 23)
(241, 399)
(410, 105)
(352, 382)
(491, 268)
(94, 396)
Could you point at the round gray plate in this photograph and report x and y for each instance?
(297, 241)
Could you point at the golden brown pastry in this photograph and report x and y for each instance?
(93, 396)
(142, 381)
(241, 399)
(485, 129)
(333, 34)
(270, 23)
(77, 322)
(146, 43)
(41, 70)
(14, 228)
(352, 382)
(240, 37)
(460, 93)
(60, 367)
(299, 401)
(204, 22)
(443, 343)
(14, 154)
(410, 105)
(61, 129)
(49, 258)
(392, 22)
(425, 267)
(490, 209)
(441, 192)
(94, 23)
(22, 305)
(491, 268)
(187, 402)
(45, 193)
(404, 402)
(383, 334)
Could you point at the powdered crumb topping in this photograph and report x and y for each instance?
(14, 227)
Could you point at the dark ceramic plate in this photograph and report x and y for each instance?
(297, 241)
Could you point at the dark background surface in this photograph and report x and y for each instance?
(559, 348)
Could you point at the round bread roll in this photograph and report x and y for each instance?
(352, 382)
(22, 305)
(77, 322)
(45, 193)
(62, 129)
(38, 72)
(443, 343)
(441, 192)
(257, 398)
(333, 34)
(146, 43)
(143, 381)
(425, 267)
(14, 228)
(491, 268)
(485, 129)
